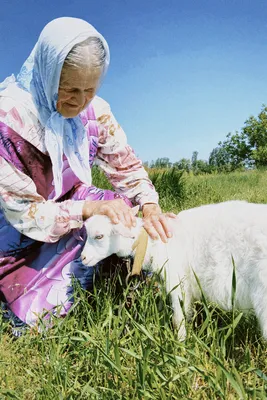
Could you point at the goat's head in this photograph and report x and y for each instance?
(105, 238)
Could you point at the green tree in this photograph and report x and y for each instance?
(194, 160)
(163, 162)
(202, 166)
(199, 166)
(249, 146)
(237, 148)
(220, 159)
(255, 131)
(183, 165)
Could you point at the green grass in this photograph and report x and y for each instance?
(205, 189)
(106, 349)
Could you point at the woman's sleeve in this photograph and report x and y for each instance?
(32, 215)
(120, 164)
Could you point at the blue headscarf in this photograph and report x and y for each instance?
(37, 85)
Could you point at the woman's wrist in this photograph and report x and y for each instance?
(149, 208)
(88, 209)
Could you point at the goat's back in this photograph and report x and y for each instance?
(210, 237)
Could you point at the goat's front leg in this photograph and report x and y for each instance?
(181, 303)
(178, 318)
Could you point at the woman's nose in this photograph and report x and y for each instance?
(80, 98)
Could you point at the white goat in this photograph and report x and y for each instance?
(205, 242)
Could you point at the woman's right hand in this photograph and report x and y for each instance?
(117, 210)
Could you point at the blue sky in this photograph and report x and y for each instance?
(182, 75)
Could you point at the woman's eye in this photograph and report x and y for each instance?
(67, 90)
(98, 237)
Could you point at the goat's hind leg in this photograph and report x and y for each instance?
(258, 294)
(260, 308)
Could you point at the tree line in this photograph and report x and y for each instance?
(246, 149)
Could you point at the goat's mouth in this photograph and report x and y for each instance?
(89, 262)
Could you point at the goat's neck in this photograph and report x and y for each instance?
(156, 252)
(140, 248)
(156, 249)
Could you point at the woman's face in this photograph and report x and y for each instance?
(76, 89)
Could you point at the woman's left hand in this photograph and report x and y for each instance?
(156, 223)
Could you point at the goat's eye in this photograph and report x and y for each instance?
(98, 237)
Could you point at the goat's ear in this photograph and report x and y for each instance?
(135, 210)
(120, 229)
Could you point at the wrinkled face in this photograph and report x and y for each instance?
(77, 88)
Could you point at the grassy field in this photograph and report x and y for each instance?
(107, 348)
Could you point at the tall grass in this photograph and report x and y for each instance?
(110, 348)
(99, 179)
(170, 185)
(205, 189)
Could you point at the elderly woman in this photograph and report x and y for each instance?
(53, 128)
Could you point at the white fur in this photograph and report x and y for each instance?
(205, 240)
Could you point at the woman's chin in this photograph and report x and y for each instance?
(69, 112)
